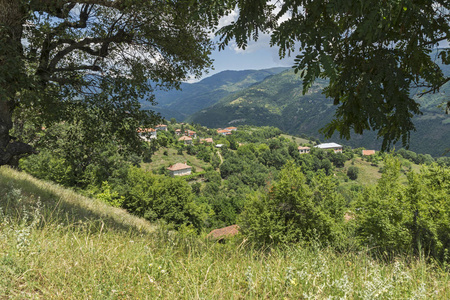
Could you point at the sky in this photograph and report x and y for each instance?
(258, 55)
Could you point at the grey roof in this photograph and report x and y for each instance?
(328, 146)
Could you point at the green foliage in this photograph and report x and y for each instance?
(159, 197)
(292, 211)
(353, 172)
(110, 197)
(74, 59)
(383, 213)
(428, 193)
(396, 218)
(39, 236)
(375, 51)
(47, 166)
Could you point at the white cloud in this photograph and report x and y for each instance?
(228, 19)
(262, 43)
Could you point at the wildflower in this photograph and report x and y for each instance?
(293, 282)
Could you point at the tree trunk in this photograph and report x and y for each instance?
(12, 75)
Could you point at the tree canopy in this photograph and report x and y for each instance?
(377, 55)
(61, 60)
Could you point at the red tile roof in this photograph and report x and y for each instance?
(178, 166)
(185, 138)
(141, 130)
(368, 152)
(224, 232)
(207, 140)
(224, 131)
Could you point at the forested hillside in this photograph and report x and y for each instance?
(195, 96)
(278, 101)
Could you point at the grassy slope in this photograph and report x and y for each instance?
(369, 174)
(78, 249)
(159, 160)
(298, 140)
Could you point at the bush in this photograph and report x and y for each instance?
(160, 197)
(353, 172)
(292, 211)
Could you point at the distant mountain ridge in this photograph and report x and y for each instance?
(278, 101)
(274, 97)
(196, 96)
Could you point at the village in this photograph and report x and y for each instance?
(190, 137)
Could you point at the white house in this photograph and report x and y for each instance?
(224, 131)
(303, 150)
(187, 140)
(179, 169)
(330, 146)
(147, 134)
(191, 133)
(161, 127)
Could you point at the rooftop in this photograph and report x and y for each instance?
(178, 166)
(328, 146)
(224, 232)
(368, 152)
(185, 138)
(141, 130)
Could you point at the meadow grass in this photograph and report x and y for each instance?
(160, 160)
(49, 250)
(296, 139)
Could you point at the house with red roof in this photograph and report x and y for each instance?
(180, 169)
(161, 127)
(207, 140)
(191, 133)
(223, 132)
(303, 150)
(187, 140)
(147, 134)
(368, 152)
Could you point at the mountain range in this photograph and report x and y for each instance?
(274, 97)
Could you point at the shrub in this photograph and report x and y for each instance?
(353, 172)
(292, 211)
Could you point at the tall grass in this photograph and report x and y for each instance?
(53, 245)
